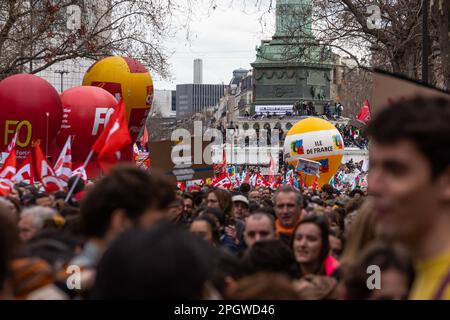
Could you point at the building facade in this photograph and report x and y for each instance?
(164, 103)
(198, 71)
(195, 98)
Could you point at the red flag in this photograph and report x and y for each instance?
(80, 172)
(6, 187)
(144, 138)
(301, 181)
(181, 185)
(261, 182)
(315, 184)
(272, 172)
(222, 181)
(63, 166)
(12, 144)
(7, 173)
(25, 172)
(114, 136)
(279, 181)
(8, 170)
(365, 114)
(223, 165)
(45, 172)
(247, 176)
(237, 182)
(274, 185)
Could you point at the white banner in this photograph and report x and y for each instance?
(316, 144)
(282, 109)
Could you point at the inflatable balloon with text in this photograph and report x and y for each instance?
(86, 112)
(30, 106)
(317, 140)
(127, 78)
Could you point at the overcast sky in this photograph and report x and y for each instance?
(225, 40)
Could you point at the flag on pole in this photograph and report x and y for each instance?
(7, 173)
(181, 185)
(315, 185)
(223, 165)
(6, 187)
(25, 172)
(301, 182)
(114, 137)
(364, 115)
(253, 180)
(80, 172)
(246, 177)
(8, 169)
(222, 181)
(235, 182)
(63, 166)
(290, 177)
(12, 144)
(45, 173)
(260, 181)
(272, 172)
(144, 138)
(278, 182)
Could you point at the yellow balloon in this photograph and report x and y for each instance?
(317, 140)
(127, 78)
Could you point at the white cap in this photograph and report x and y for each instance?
(240, 198)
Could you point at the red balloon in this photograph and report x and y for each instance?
(32, 107)
(86, 111)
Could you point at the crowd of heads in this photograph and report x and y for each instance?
(133, 235)
(353, 136)
(209, 243)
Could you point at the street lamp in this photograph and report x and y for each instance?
(62, 73)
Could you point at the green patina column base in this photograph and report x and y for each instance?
(292, 67)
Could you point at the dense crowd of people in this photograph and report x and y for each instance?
(133, 235)
(352, 136)
(208, 238)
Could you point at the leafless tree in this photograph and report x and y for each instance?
(354, 89)
(395, 42)
(392, 41)
(36, 34)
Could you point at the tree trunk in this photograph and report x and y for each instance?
(443, 17)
